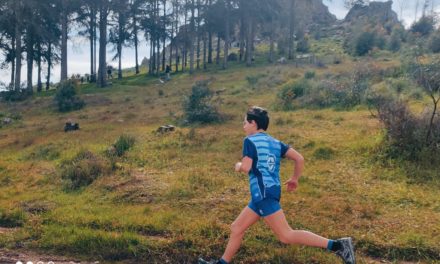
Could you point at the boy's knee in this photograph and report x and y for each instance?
(284, 239)
(236, 229)
(287, 237)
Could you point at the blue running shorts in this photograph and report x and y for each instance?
(265, 207)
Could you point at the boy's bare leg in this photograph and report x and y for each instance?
(287, 235)
(246, 218)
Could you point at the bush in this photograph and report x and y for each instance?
(395, 42)
(83, 169)
(124, 143)
(233, 57)
(303, 45)
(290, 92)
(309, 75)
(199, 107)
(364, 43)
(406, 134)
(12, 218)
(253, 79)
(323, 153)
(14, 96)
(66, 97)
(434, 42)
(424, 26)
(45, 152)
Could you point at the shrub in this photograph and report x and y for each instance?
(395, 41)
(233, 57)
(364, 43)
(199, 107)
(303, 45)
(124, 143)
(16, 96)
(253, 79)
(45, 152)
(83, 169)
(12, 218)
(309, 75)
(290, 92)
(434, 42)
(66, 97)
(323, 153)
(406, 134)
(424, 26)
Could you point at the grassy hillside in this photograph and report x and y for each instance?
(172, 197)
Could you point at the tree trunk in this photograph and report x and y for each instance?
(291, 28)
(49, 64)
(176, 43)
(150, 63)
(164, 46)
(64, 29)
(39, 84)
(102, 82)
(249, 42)
(119, 60)
(198, 36)
(242, 38)
(91, 32)
(226, 47)
(95, 50)
(431, 122)
(217, 59)
(191, 48)
(158, 57)
(170, 60)
(11, 85)
(204, 51)
(209, 39)
(272, 29)
(210, 47)
(18, 46)
(120, 40)
(29, 58)
(135, 32)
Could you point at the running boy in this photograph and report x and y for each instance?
(261, 160)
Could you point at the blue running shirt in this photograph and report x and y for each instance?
(264, 177)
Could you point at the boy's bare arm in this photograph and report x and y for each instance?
(244, 166)
(298, 159)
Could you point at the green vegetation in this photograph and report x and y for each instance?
(117, 191)
(199, 106)
(83, 169)
(66, 97)
(124, 143)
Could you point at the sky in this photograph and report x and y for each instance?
(79, 58)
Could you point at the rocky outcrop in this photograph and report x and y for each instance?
(380, 12)
(315, 12)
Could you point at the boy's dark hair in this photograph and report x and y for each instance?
(259, 115)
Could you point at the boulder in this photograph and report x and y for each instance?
(380, 12)
(6, 121)
(70, 126)
(165, 129)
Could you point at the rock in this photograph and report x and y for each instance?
(282, 60)
(6, 121)
(380, 12)
(165, 129)
(70, 126)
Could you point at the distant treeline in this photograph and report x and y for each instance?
(178, 32)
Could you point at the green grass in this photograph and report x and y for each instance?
(172, 197)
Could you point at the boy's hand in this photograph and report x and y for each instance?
(292, 184)
(237, 166)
